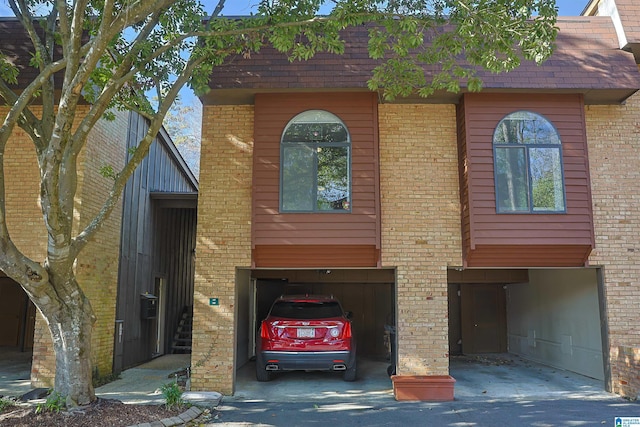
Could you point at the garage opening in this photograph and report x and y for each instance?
(369, 294)
(550, 316)
(17, 317)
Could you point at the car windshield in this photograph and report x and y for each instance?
(306, 309)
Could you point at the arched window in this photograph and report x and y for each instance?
(315, 164)
(528, 165)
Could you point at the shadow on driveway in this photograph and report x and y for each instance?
(492, 390)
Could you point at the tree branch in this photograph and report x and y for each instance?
(143, 148)
(24, 118)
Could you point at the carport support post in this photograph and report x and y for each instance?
(422, 350)
(420, 225)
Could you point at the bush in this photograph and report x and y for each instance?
(55, 403)
(172, 395)
(6, 403)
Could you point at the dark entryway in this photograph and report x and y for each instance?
(478, 309)
(17, 316)
(483, 318)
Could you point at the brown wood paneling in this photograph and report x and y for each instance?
(316, 256)
(483, 318)
(528, 256)
(523, 240)
(371, 306)
(360, 275)
(316, 239)
(464, 175)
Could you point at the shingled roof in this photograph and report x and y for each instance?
(587, 60)
(17, 48)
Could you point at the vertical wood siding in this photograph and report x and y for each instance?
(174, 261)
(524, 240)
(316, 239)
(464, 175)
(156, 241)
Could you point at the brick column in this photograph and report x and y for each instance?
(223, 242)
(420, 227)
(613, 135)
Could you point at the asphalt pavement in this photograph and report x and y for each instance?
(538, 412)
(491, 390)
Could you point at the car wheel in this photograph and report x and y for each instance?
(262, 375)
(350, 374)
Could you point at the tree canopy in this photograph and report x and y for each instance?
(112, 54)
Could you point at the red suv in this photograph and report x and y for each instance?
(306, 332)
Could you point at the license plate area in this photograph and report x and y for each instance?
(306, 333)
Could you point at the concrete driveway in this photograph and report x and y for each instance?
(500, 376)
(491, 390)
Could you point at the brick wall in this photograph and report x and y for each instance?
(420, 232)
(24, 220)
(223, 241)
(613, 134)
(97, 266)
(420, 227)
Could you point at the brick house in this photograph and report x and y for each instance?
(504, 220)
(144, 248)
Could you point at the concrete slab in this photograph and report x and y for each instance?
(141, 385)
(496, 377)
(372, 384)
(506, 376)
(204, 399)
(15, 372)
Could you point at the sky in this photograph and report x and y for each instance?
(243, 7)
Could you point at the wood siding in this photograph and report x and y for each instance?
(523, 240)
(156, 242)
(316, 239)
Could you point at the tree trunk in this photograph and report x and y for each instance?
(71, 327)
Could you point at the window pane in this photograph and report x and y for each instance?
(315, 163)
(315, 132)
(525, 127)
(333, 178)
(546, 179)
(298, 178)
(511, 180)
(306, 310)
